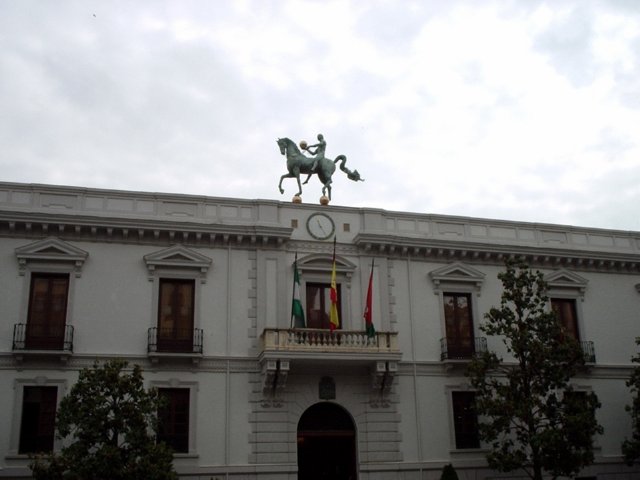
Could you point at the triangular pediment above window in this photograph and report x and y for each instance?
(318, 262)
(566, 280)
(53, 251)
(457, 274)
(178, 257)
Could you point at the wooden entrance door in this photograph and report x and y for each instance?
(326, 444)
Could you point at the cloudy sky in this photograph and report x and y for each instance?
(518, 110)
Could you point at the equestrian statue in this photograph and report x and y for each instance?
(320, 165)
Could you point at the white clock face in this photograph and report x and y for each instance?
(320, 226)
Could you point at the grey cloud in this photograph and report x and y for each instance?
(567, 44)
(628, 79)
(612, 143)
(392, 26)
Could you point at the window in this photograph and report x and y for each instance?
(319, 304)
(576, 404)
(315, 275)
(50, 268)
(458, 325)
(567, 291)
(176, 415)
(173, 419)
(575, 400)
(38, 419)
(458, 286)
(177, 274)
(47, 314)
(565, 309)
(465, 420)
(175, 315)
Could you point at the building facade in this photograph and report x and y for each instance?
(198, 291)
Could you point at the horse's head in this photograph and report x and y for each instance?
(286, 144)
(282, 143)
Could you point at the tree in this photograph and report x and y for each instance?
(631, 448)
(448, 473)
(529, 414)
(109, 421)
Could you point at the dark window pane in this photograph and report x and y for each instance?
(47, 311)
(465, 420)
(319, 305)
(175, 315)
(565, 309)
(459, 325)
(38, 419)
(173, 418)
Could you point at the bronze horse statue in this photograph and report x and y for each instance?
(298, 163)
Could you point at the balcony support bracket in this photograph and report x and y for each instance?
(274, 380)
(382, 375)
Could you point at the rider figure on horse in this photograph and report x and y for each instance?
(318, 154)
(320, 147)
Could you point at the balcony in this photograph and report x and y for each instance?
(42, 340)
(174, 344)
(309, 349)
(461, 349)
(319, 344)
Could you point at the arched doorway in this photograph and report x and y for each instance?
(326, 444)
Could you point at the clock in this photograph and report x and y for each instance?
(320, 226)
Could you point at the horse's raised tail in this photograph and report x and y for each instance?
(355, 176)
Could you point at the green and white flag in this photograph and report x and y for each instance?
(297, 313)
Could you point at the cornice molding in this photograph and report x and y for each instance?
(78, 361)
(141, 231)
(471, 252)
(440, 369)
(163, 219)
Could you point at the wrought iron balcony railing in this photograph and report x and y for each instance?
(36, 337)
(319, 340)
(465, 349)
(589, 352)
(171, 340)
(461, 348)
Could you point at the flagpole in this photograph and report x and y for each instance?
(334, 248)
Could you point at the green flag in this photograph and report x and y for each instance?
(297, 313)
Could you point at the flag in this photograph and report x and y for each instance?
(334, 319)
(371, 332)
(297, 313)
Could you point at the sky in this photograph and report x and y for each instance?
(517, 110)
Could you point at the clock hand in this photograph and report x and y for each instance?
(321, 227)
